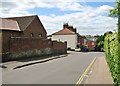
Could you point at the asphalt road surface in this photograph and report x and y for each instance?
(65, 70)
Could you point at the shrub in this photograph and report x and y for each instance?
(112, 54)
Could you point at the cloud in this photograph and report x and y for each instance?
(87, 19)
(18, 7)
(90, 21)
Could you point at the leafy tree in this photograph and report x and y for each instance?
(116, 13)
(100, 42)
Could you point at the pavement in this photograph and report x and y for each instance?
(99, 73)
(26, 62)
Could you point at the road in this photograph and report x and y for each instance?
(65, 70)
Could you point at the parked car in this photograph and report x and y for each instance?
(84, 49)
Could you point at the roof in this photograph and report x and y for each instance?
(23, 21)
(8, 24)
(64, 31)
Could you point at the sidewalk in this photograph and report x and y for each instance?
(99, 73)
(29, 61)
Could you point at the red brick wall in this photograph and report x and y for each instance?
(6, 39)
(59, 47)
(30, 47)
(24, 44)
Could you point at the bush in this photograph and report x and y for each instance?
(112, 55)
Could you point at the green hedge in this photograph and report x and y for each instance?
(111, 52)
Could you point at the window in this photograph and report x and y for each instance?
(40, 35)
(11, 35)
(32, 34)
(92, 43)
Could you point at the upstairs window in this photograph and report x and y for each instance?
(11, 35)
(32, 35)
(92, 43)
(40, 35)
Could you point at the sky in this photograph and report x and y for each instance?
(90, 17)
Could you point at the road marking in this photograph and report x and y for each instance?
(83, 75)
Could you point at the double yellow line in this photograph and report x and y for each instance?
(83, 75)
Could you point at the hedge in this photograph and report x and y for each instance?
(112, 54)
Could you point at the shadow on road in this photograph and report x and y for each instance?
(2, 66)
(42, 61)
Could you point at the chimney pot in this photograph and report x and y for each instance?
(65, 25)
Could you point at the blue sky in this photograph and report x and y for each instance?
(57, 11)
(90, 18)
(96, 4)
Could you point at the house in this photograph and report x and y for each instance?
(91, 44)
(87, 41)
(30, 26)
(68, 34)
(26, 26)
(26, 37)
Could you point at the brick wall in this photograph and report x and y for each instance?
(59, 47)
(24, 44)
(30, 47)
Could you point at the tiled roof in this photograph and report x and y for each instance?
(24, 21)
(8, 24)
(64, 31)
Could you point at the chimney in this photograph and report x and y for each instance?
(65, 25)
(70, 28)
(75, 30)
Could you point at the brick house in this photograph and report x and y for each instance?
(88, 42)
(68, 34)
(24, 37)
(26, 26)
(91, 44)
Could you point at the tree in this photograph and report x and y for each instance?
(116, 13)
(100, 42)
